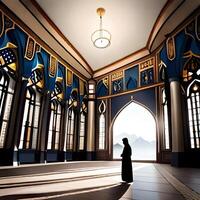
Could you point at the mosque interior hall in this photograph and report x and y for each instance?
(78, 78)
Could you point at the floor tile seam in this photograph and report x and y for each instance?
(187, 192)
(184, 174)
(158, 191)
(149, 176)
(146, 181)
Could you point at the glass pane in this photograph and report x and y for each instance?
(57, 140)
(68, 140)
(65, 133)
(192, 142)
(36, 116)
(34, 138)
(22, 138)
(82, 129)
(30, 116)
(91, 91)
(2, 80)
(91, 87)
(191, 132)
(1, 92)
(49, 139)
(101, 131)
(72, 127)
(71, 142)
(8, 106)
(189, 104)
(81, 143)
(3, 97)
(3, 133)
(58, 121)
(197, 142)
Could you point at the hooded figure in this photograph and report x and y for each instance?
(127, 174)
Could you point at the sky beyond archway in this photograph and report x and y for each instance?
(138, 125)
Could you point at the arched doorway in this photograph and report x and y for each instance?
(137, 124)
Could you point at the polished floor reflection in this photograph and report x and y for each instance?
(98, 180)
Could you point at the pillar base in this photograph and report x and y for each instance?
(186, 159)
(178, 159)
(6, 157)
(90, 155)
(40, 156)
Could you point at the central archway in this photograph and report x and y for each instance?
(137, 124)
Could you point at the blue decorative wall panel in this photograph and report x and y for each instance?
(102, 88)
(131, 78)
(145, 97)
(117, 86)
(146, 77)
(187, 44)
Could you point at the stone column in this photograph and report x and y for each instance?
(43, 129)
(91, 121)
(19, 103)
(176, 124)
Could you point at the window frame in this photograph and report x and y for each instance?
(165, 117)
(82, 129)
(28, 121)
(55, 126)
(70, 129)
(102, 132)
(193, 109)
(8, 90)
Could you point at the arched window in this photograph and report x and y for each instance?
(54, 126)
(29, 131)
(193, 99)
(82, 132)
(102, 125)
(7, 85)
(70, 129)
(82, 127)
(165, 120)
(191, 83)
(102, 131)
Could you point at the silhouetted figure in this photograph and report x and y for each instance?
(127, 174)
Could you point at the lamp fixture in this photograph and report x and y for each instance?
(101, 38)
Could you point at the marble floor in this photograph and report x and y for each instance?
(98, 180)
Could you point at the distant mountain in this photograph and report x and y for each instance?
(118, 146)
(141, 149)
(118, 138)
(140, 142)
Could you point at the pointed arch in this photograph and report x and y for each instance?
(136, 122)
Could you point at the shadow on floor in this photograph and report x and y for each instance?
(111, 192)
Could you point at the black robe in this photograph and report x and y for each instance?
(127, 174)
